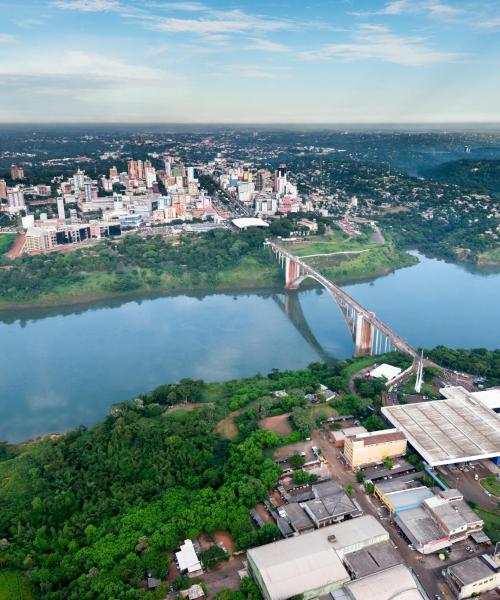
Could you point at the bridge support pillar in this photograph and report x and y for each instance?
(292, 272)
(364, 337)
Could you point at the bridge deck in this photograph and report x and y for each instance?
(340, 294)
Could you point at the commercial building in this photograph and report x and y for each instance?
(372, 448)
(297, 517)
(385, 371)
(489, 398)
(448, 431)
(394, 583)
(187, 560)
(402, 493)
(311, 564)
(422, 531)
(16, 172)
(474, 576)
(338, 436)
(453, 515)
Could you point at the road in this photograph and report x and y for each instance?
(462, 478)
(426, 568)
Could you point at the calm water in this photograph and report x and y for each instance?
(62, 368)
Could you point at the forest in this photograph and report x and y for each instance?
(84, 515)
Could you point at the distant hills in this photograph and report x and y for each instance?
(483, 175)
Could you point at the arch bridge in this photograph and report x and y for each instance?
(369, 334)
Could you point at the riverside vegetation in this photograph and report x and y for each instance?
(218, 260)
(85, 515)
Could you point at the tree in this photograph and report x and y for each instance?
(360, 476)
(181, 582)
(296, 461)
(388, 463)
(369, 487)
(374, 423)
(350, 490)
(212, 557)
(301, 477)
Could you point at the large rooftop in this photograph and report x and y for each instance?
(419, 524)
(396, 583)
(448, 431)
(471, 570)
(310, 561)
(372, 559)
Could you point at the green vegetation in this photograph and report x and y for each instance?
(132, 265)
(15, 587)
(491, 523)
(6, 241)
(212, 557)
(302, 477)
(478, 361)
(476, 174)
(491, 484)
(216, 260)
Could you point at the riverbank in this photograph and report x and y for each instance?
(251, 272)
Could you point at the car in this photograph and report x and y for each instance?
(467, 548)
(437, 597)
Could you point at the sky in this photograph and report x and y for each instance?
(274, 61)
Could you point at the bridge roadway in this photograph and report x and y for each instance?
(343, 298)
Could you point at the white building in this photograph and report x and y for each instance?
(15, 200)
(187, 560)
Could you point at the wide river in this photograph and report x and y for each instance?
(60, 368)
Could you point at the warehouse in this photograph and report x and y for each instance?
(474, 576)
(311, 564)
(448, 431)
(371, 560)
(424, 533)
(396, 582)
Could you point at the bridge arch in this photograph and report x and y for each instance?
(369, 334)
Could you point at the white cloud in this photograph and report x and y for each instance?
(228, 22)
(373, 42)
(80, 66)
(86, 5)
(256, 71)
(267, 46)
(6, 37)
(181, 6)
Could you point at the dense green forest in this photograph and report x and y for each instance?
(134, 263)
(478, 361)
(84, 515)
(482, 175)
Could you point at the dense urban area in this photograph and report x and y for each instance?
(371, 478)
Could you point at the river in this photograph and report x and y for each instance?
(60, 368)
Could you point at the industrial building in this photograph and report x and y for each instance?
(448, 431)
(337, 437)
(474, 576)
(372, 448)
(440, 521)
(311, 564)
(373, 559)
(385, 371)
(489, 398)
(395, 582)
(297, 517)
(402, 493)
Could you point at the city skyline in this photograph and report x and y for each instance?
(399, 61)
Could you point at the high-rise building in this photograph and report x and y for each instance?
(16, 172)
(15, 200)
(132, 169)
(3, 189)
(150, 175)
(87, 186)
(280, 180)
(190, 173)
(263, 181)
(78, 181)
(140, 169)
(113, 172)
(60, 208)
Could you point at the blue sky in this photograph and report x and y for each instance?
(310, 61)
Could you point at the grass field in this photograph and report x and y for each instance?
(491, 524)
(15, 587)
(332, 242)
(492, 484)
(6, 241)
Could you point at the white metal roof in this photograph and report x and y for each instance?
(310, 561)
(395, 583)
(187, 559)
(385, 370)
(244, 222)
(448, 431)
